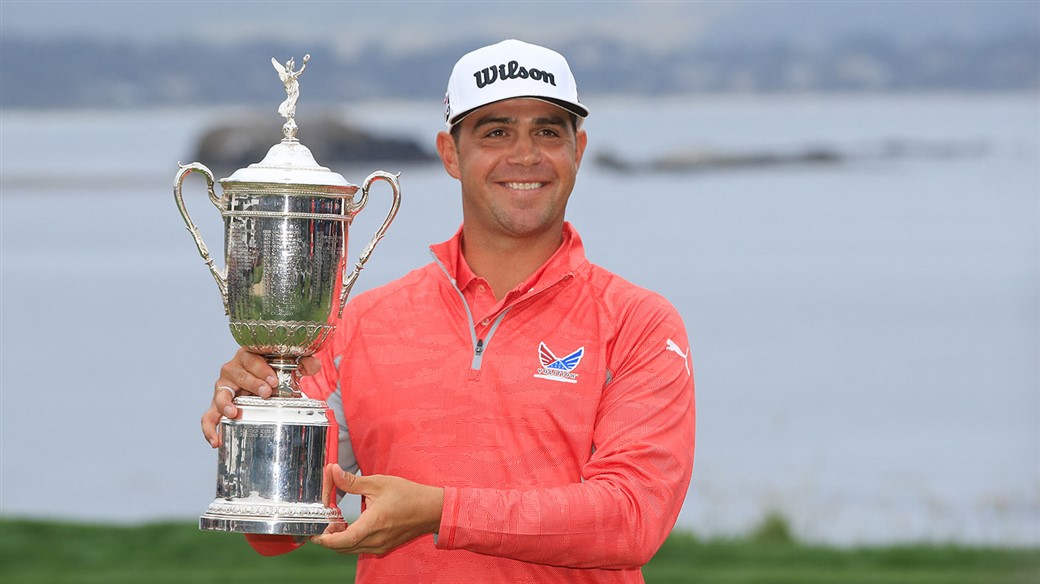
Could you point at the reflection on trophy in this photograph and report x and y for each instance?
(284, 286)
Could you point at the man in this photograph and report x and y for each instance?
(517, 413)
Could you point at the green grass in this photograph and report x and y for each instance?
(684, 558)
(49, 552)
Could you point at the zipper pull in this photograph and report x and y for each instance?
(480, 347)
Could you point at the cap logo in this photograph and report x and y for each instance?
(512, 70)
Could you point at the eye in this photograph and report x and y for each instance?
(495, 133)
(549, 132)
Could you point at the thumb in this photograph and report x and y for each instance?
(329, 483)
(346, 482)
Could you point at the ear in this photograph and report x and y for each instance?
(581, 140)
(449, 154)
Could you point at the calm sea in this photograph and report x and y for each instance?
(864, 334)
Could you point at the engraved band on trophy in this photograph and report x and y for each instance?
(284, 286)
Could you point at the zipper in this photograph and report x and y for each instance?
(480, 344)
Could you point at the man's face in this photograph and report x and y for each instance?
(517, 161)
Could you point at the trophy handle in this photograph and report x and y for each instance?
(185, 170)
(348, 280)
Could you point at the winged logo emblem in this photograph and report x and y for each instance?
(558, 368)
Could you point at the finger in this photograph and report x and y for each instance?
(340, 541)
(224, 398)
(258, 367)
(360, 538)
(345, 540)
(249, 373)
(210, 420)
(309, 366)
(230, 395)
(335, 528)
(224, 393)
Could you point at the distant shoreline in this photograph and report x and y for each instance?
(247, 108)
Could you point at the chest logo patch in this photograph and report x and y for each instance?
(558, 368)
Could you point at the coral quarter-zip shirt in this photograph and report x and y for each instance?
(559, 419)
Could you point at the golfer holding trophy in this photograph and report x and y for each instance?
(284, 285)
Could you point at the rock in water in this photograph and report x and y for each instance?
(240, 143)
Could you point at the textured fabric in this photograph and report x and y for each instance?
(565, 444)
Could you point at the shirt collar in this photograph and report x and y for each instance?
(567, 258)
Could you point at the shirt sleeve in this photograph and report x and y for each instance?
(326, 381)
(273, 545)
(635, 481)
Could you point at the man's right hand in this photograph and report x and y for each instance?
(246, 373)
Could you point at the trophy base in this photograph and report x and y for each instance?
(268, 518)
(264, 525)
(270, 469)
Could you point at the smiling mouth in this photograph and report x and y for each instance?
(524, 186)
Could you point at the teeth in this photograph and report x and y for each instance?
(525, 186)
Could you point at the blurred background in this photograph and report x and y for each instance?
(841, 198)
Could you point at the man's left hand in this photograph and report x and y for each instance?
(396, 511)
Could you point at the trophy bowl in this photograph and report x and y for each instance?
(284, 286)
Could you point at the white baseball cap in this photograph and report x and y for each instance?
(506, 70)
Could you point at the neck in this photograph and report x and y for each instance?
(505, 262)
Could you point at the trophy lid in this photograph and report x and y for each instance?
(289, 161)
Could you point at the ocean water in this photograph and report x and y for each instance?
(865, 335)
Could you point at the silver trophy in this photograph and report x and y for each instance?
(284, 286)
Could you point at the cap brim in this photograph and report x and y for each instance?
(575, 108)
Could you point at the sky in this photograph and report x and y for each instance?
(408, 26)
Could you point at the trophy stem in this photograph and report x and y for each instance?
(288, 381)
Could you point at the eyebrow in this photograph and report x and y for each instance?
(541, 121)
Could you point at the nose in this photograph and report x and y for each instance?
(525, 151)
